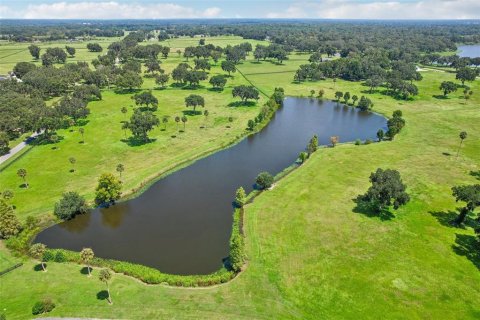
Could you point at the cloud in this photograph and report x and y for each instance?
(114, 10)
(349, 9)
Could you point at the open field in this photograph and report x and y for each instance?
(310, 255)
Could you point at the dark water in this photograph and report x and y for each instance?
(471, 51)
(182, 223)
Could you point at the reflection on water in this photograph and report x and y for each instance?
(182, 223)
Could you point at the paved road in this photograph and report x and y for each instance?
(18, 147)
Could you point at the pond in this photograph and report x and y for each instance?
(471, 51)
(182, 223)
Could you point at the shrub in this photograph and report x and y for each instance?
(237, 244)
(368, 141)
(358, 142)
(240, 197)
(44, 306)
(264, 180)
(9, 224)
(108, 189)
(60, 257)
(48, 256)
(70, 205)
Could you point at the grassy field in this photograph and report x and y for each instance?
(310, 254)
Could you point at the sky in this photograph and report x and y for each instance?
(173, 9)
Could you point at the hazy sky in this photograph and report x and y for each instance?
(164, 9)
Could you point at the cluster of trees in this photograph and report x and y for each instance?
(268, 108)
(453, 61)
(183, 74)
(245, 93)
(394, 124)
(273, 51)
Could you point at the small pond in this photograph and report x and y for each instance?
(182, 223)
(471, 51)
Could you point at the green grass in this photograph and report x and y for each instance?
(310, 255)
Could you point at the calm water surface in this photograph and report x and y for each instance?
(182, 223)
(471, 51)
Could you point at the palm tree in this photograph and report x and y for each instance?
(463, 136)
(125, 127)
(87, 255)
(165, 121)
(184, 120)
(177, 120)
(82, 131)
(105, 277)
(22, 173)
(72, 161)
(205, 113)
(37, 251)
(120, 169)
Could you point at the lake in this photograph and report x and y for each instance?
(182, 223)
(471, 51)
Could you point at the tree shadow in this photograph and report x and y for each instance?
(193, 87)
(82, 122)
(38, 267)
(242, 104)
(468, 246)
(84, 270)
(367, 209)
(475, 174)
(215, 89)
(23, 186)
(143, 109)
(102, 295)
(447, 154)
(440, 96)
(177, 85)
(447, 219)
(126, 91)
(192, 112)
(136, 142)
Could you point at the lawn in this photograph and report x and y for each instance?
(310, 254)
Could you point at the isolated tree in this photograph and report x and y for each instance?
(395, 124)
(70, 205)
(146, 98)
(86, 255)
(206, 113)
(463, 136)
(346, 97)
(34, 51)
(251, 124)
(177, 120)
(194, 100)
(162, 79)
(120, 168)
(218, 81)
(105, 277)
(184, 120)
(124, 110)
(245, 93)
(354, 99)
(82, 132)
(72, 161)
(468, 194)
(312, 92)
(387, 189)
(9, 223)
(338, 95)
(228, 66)
(70, 50)
(22, 173)
(264, 180)
(448, 87)
(240, 197)
(37, 251)
(165, 121)
(380, 135)
(312, 145)
(466, 74)
(334, 140)
(303, 156)
(141, 123)
(108, 189)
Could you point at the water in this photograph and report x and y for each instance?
(182, 223)
(471, 51)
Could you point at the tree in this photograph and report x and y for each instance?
(346, 97)
(153, 65)
(206, 113)
(37, 251)
(194, 77)
(380, 135)
(165, 121)
(94, 47)
(240, 197)
(312, 92)
(124, 110)
(162, 79)
(463, 136)
(86, 255)
(466, 74)
(108, 189)
(22, 173)
(34, 51)
(228, 66)
(334, 140)
(202, 64)
(264, 180)
(321, 93)
(22, 68)
(387, 189)
(4, 142)
(70, 50)
(338, 95)
(194, 100)
(251, 124)
(364, 104)
(9, 223)
(245, 92)
(72, 161)
(354, 99)
(105, 277)
(146, 98)
(184, 120)
(218, 81)
(120, 168)
(312, 145)
(141, 123)
(70, 205)
(448, 87)
(82, 132)
(129, 80)
(395, 124)
(177, 120)
(468, 194)
(303, 156)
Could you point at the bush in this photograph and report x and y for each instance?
(368, 141)
(264, 180)
(70, 205)
(48, 256)
(237, 244)
(60, 257)
(44, 306)
(9, 224)
(358, 142)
